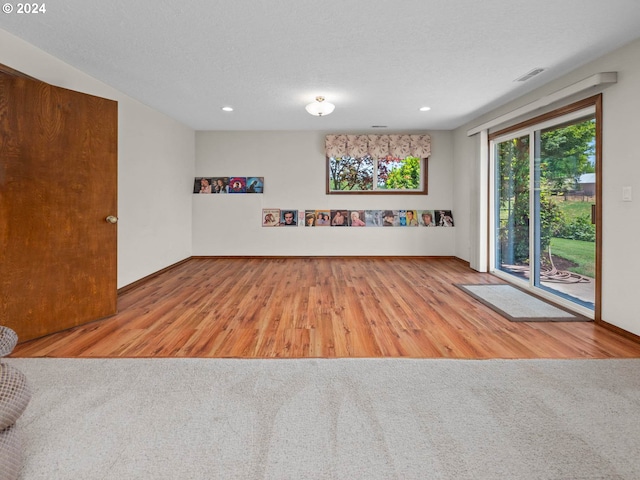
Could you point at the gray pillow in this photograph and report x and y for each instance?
(10, 453)
(8, 340)
(14, 395)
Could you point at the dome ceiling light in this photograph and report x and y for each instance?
(320, 108)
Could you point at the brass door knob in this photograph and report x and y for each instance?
(112, 219)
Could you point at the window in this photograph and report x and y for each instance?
(378, 164)
(364, 174)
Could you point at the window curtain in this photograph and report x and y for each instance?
(378, 146)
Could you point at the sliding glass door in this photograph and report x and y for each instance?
(543, 212)
(512, 205)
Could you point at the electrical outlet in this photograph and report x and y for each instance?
(626, 194)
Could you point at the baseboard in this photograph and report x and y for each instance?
(465, 262)
(343, 257)
(137, 283)
(623, 333)
(143, 280)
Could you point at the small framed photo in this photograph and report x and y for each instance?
(238, 185)
(288, 218)
(203, 185)
(255, 184)
(309, 218)
(373, 218)
(427, 218)
(323, 218)
(357, 218)
(411, 218)
(390, 218)
(444, 218)
(221, 185)
(402, 218)
(270, 217)
(339, 218)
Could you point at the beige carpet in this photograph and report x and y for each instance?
(331, 419)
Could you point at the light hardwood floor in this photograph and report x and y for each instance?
(321, 307)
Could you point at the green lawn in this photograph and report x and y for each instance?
(582, 253)
(573, 210)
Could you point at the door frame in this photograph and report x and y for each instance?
(594, 102)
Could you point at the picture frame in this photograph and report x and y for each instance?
(270, 217)
(339, 218)
(357, 218)
(323, 218)
(289, 218)
(255, 185)
(444, 218)
(427, 218)
(220, 184)
(203, 185)
(238, 185)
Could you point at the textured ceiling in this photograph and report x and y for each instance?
(378, 61)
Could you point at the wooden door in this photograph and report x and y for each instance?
(58, 183)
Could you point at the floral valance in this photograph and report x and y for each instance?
(378, 146)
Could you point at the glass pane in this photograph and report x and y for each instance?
(399, 173)
(565, 194)
(350, 173)
(512, 205)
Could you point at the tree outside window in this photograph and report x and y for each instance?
(384, 175)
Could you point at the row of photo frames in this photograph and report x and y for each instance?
(275, 217)
(228, 185)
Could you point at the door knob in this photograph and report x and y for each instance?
(112, 219)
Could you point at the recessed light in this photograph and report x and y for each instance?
(227, 109)
(425, 109)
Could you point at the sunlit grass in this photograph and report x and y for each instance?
(573, 209)
(579, 252)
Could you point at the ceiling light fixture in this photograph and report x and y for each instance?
(425, 109)
(320, 108)
(227, 109)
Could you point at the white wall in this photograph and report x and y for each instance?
(466, 154)
(293, 166)
(621, 167)
(155, 166)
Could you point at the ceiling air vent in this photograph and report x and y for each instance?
(530, 74)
